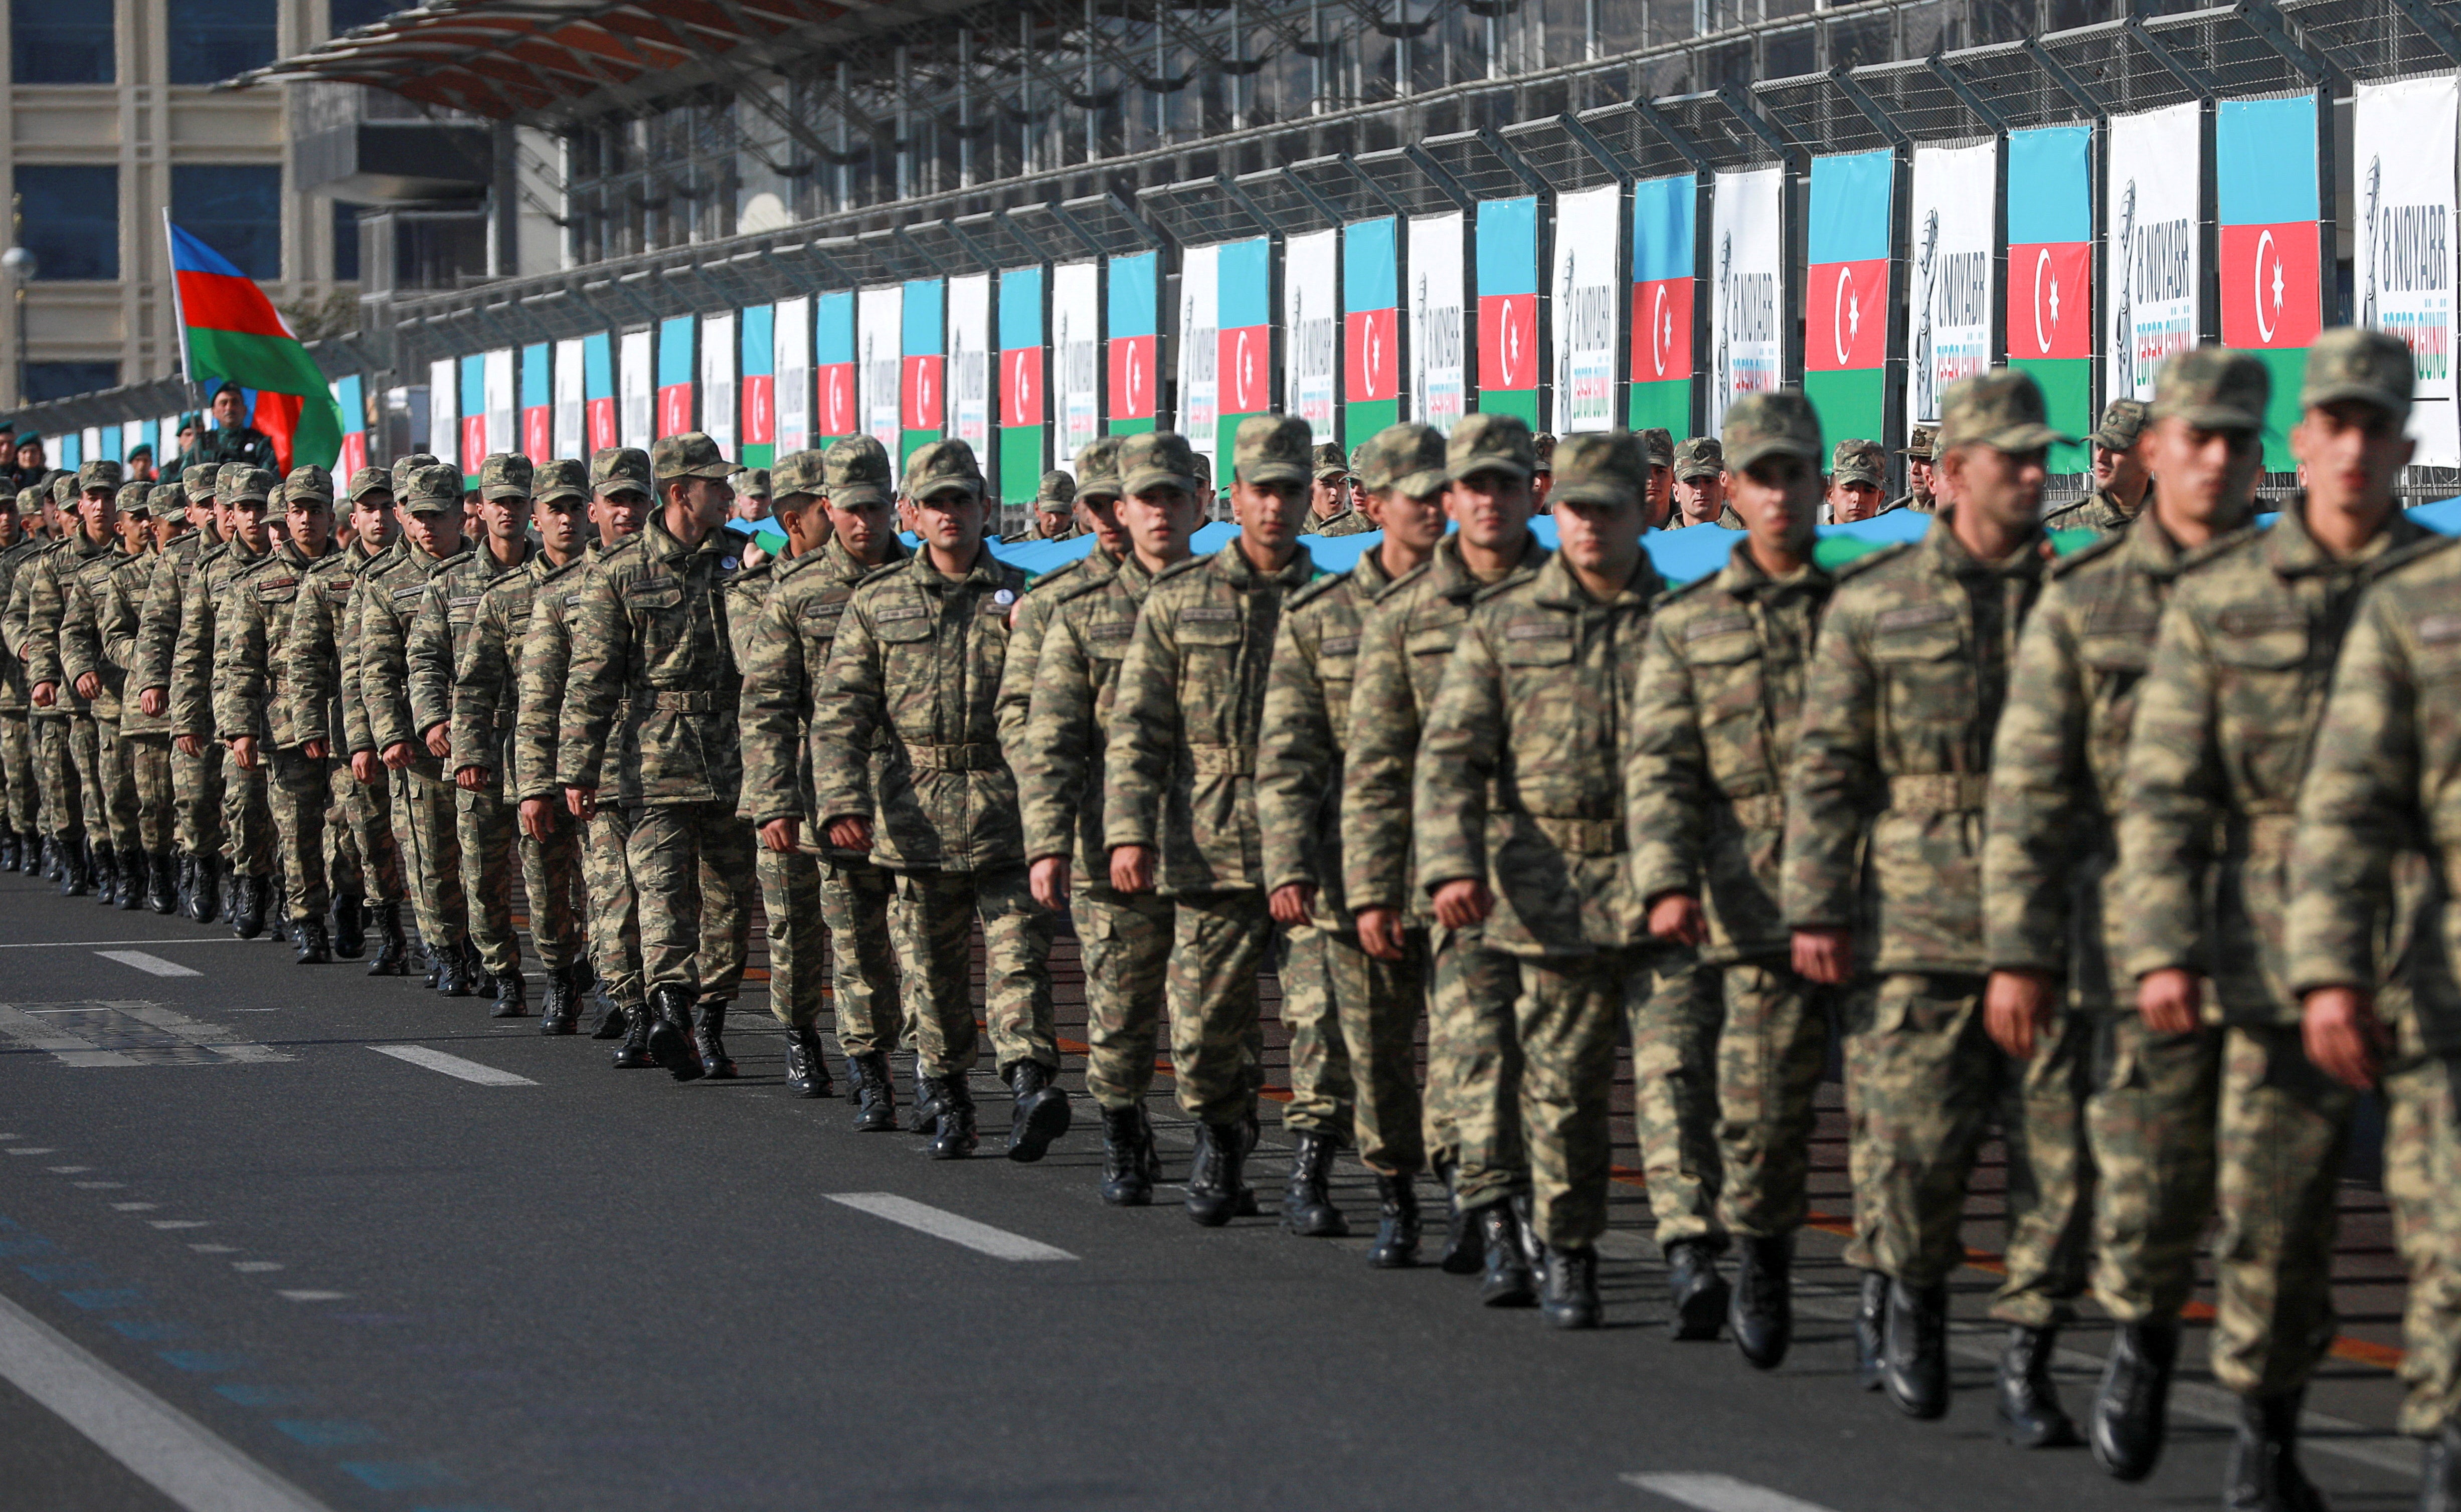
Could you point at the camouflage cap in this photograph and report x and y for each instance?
(2370, 365)
(198, 482)
(1859, 462)
(99, 473)
(169, 499)
(2213, 390)
(308, 481)
(64, 489)
(1923, 443)
(1160, 459)
(2002, 408)
(435, 489)
(2123, 422)
(800, 475)
(566, 477)
(243, 484)
(1601, 467)
(1058, 490)
(405, 466)
(1406, 459)
(1657, 444)
(690, 454)
(137, 499)
(620, 470)
(369, 480)
(1330, 464)
(1272, 449)
(857, 472)
(504, 475)
(1699, 456)
(1098, 469)
(753, 480)
(1486, 442)
(1770, 422)
(1542, 448)
(943, 467)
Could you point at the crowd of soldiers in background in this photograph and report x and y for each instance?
(2090, 849)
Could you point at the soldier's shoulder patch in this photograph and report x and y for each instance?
(1869, 560)
(1207, 614)
(407, 592)
(1317, 588)
(274, 589)
(2096, 551)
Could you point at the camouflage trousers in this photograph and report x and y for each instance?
(24, 799)
(1321, 1088)
(149, 763)
(692, 881)
(116, 786)
(1474, 1070)
(197, 798)
(299, 788)
(2153, 1116)
(871, 1007)
(1933, 1087)
(63, 808)
(247, 817)
(1770, 1053)
(1380, 1004)
(424, 827)
(931, 917)
(366, 810)
(790, 903)
(1677, 1011)
(489, 830)
(1124, 940)
(1219, 941)
(86, 795)
(2422, 1179)
(615, 913)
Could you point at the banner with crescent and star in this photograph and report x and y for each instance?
(1665, 275)
(2405, 270)
(2049, 318)
(1846, 293)
(1510, 367)
(838, 379)
(677, 355)
(2265, 175)
(1243, 319)
(758, 385)
(538, 401)
(1586, 323)
(922, 370)
(1132, 306)
(598, 393)
(1024, 385)
(1370, 330)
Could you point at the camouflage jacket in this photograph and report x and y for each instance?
(1920, 506)
(1709, 743)
(1307, 721)
(2061, 751)
(540, 675)
(392, 586)
(2384, 785)
(1076, 683)
(651, 686)
(13, 671)
(2096, 511)
(788, 653)
(157, 615)
(86, 593)
(918, 658)
(1025, 639)
(1180, 771)
(123, 638)
(58, 577)
(1520, 781)
(1403, 644)
(1885, 800)
(254, 696)
(15, 622)
(441, 631)
(192, 656)
(487, 669)
(321, 654)
(1348, 522)
(2224, 723)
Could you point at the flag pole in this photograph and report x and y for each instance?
(179, 311)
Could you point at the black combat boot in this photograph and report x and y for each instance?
(925, 1118)
(76, 881)
(248, 907)
(1215, 1190)
(1762, 1314)
(2439, 1470)
(634, 1052)
(1463, 1254)
(670, 1033)
(807, 1064)
(1570, 1299)
(875, 1092)
(2131, 1409)
(475, 970)
(314, 949)
(277, 909)
(1307, 1203)
(512, 996)
(188, 884)
(2264, 1474)
(350, 925)
(952, 1136)
(1396, 1224)
(392, 949)
(1871, 1329)
(8, 848)
(1124, 1141)
(213, 888)
(51, 870)
(1507, 1279)
(708, 1041)
(455, 975)
(105, 866)
(1914, 1355)
(1041, 1114)
(1696, 1295)
(561, 1013)
(2031, 1415)
(611, 1019)
(162, 875)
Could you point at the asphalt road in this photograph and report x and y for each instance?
(246, 1256)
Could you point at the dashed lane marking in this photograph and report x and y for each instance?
(88, 944)
(152, 965)
(125, 1032)
(923, 1218)
(314, 1296)
(453, 1065)
(1716, 1493)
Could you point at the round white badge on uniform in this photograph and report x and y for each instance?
(1004, 596)
(730, 563)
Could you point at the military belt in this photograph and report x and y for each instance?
(683, 703)
(1222, 760)
(1581, 836)
(1760, 810)
(1939, 792)
(973, 757)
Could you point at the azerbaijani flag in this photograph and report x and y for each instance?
(1371, 336)
(757, 445)
(538, 403)
(598, 392)
(2264, 158)
(674, 376)
(833, 364)
(1024, 412)
(232, 330)
(1244, 296)
(1665, 273)
(2050, 274)
(922, 360)
(1845, 297)
(474, 418)
(1507, 239)
(1134, 304)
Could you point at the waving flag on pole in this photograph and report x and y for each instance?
(229, 329)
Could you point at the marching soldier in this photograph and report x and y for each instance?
(2121, 479)
(1053, 514)
(87, 665)
(1331, 508)
(196, 765)
(249, 494)
(93, 543)
(145, 736)
(21, 847)
(1857, 476)
(59, 809)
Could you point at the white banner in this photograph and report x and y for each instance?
(2403, 276)
(566, 383)
(1311, 319)
(1076, 413)
(502, 433)
(1588, 315)
(968, 383)
(790, 359)
(636, 388)
(2154, 251)
(1200, 351)
(1953, 247)
(444, 409)
(717, 364)
(1747, 263)
(1439, 323)
(879, 353)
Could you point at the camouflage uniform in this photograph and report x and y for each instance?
(1056, 494)
(17, 728)
(1350, 520)
(86, 594)
(1885, 807)
(246, 818)
(196, 781)
(791, 883)
(57, 581)
(2123, 422)
(145, 740)
(323, 653)
(1922, 445)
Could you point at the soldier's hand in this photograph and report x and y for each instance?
(582, 801)
(315, 750)
(189, 746)
(1826, 957)
(538, 820)
(2344, 1036)
(780, 833)
(43, 694)
(89, 684)
(365, 766)
(397, 756)
(1048, 880)
(2171, 1000)
(1677, 916)
(2017, 1008)
(1132, 868)
(440, 742)
(1379, 933)
(851, 833)
(1292, 902)
(244, 751)
(1463, 901)
(154, 700)
(472, 778)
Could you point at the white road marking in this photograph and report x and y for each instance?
(99, 1186)
(120, 1034)
(314, 1296)
(133, 1208)
(453, 1065)
(178, 1222)
(1716, 1493)
(160, 1444)
(88, 944)
(151, 965)
(255, 1267)
(67, 1170)
(215, 1249)
(34, 1149)
(997, 1242)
